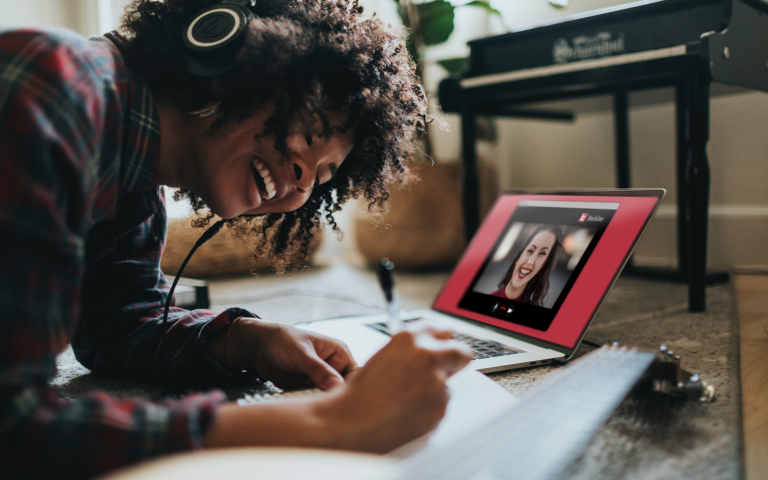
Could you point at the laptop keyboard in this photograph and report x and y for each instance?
(481, 348)
(484, 348)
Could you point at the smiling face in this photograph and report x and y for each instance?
(236, 169)
(532, 259)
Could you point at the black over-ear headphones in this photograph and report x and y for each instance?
(214, 35)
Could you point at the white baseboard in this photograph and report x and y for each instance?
(721, 211)
(751, 269)
(656, 262)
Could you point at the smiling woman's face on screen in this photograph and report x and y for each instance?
(532, 259)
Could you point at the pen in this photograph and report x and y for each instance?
(384, 271)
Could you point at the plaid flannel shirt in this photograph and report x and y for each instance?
(82, 229)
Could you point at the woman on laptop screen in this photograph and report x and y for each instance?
(534, 264)
(527, 278)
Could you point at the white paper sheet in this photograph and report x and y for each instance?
(475, 401)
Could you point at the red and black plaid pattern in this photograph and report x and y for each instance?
(82, 229)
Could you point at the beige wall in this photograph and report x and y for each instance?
(581, 154)
(87, 17)
(545, 154)
(63, 13)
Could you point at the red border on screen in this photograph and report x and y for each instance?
(590, 288)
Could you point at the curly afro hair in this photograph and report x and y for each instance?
(303, 57)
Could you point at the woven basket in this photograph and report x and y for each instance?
(223, 255)
(425, 226)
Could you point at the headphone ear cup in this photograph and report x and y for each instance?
(213, 37)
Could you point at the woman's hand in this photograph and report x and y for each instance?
(287, 356)
(399, 395)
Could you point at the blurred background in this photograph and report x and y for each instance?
(527, 153)
(575, 243)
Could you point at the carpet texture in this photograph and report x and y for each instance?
(664, 439)
(668, 438)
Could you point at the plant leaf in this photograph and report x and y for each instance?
(435, 21)
(559, 4)
(453, 65)
(486, 5)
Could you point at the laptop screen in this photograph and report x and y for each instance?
(541, 265)
(537, 259)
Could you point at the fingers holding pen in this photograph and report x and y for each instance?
(446, 356)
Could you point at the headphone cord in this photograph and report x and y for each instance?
(209, 234)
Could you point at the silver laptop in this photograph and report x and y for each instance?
(529, 283)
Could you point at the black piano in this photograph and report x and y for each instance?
(684, 44)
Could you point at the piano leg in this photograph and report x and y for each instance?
(621, 120)
(682, 106)
(697, 180)
(621, 131)
(470, 181)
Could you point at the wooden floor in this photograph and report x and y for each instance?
(752, 295)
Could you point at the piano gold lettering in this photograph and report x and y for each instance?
(584, 47)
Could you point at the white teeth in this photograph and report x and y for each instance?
(265, 175)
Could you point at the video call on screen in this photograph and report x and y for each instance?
(536, 261)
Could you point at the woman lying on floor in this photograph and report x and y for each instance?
(269, 115)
